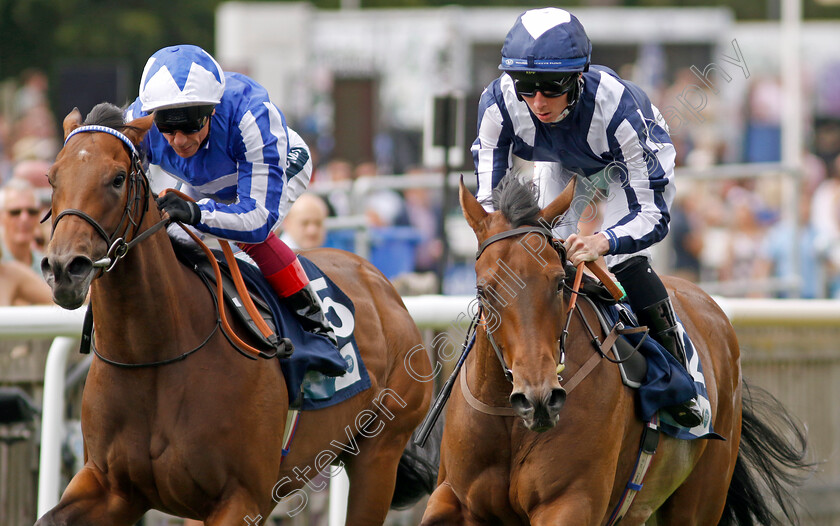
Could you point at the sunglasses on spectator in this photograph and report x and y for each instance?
(15, 212)
(549, 88)
(187, 128)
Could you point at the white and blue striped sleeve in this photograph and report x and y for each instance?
(261, 149)
(491, 150)
(298, 172)
(641, 174)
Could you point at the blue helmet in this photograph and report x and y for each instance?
(180, 76)
(547, 40)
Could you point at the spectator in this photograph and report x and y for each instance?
(338, 173)
(778, 257)
(763, 135)
(746, 237)
(383, 207)
(423, 213)
(303, 227)
(19, 285)
(19, 215)
(35, 171)
(825, 221)
(686, 233)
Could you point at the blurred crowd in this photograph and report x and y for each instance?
(736, 237)
(29, 141)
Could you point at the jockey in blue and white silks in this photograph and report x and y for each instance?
(624, 147)
(550, 107)
(239, 175)
(220, 135)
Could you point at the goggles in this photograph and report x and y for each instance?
(549, 88)
(187, 120)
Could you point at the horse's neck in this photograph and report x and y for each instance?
(147, 298)
(486, 380)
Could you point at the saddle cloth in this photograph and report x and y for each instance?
(308, 387)
(666, 382)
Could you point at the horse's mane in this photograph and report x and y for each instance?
(106, 114)
(517, 201)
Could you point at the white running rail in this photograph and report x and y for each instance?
(430, 311)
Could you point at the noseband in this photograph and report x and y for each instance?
(558, 247)
(117, 245)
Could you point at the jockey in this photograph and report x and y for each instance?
(551, 107)
(220, 134)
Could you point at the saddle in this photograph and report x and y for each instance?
(274, 346)
(631, 364)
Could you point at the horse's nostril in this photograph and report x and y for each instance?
(520, 402)
(557, 399)
(79, 266)
(45, 266)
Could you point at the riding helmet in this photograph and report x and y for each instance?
(179, 76)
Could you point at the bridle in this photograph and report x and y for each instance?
(118, 247)
(138, 182)
(561, 251)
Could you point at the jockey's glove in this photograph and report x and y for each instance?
(179, 209)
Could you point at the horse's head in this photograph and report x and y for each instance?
(520, 272)
(98, 190)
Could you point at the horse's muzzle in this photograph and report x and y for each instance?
(539, 412)
(69, 278)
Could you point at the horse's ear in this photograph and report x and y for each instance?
(473, 211)
(72, 121)
(560, 204)
(136, 129)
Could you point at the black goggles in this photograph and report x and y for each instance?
(190, 119)
(549, 88)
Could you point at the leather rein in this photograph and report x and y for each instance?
(602, 348)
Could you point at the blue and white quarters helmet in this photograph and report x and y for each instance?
(547, 40)
(180, 76)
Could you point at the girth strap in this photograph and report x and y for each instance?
(647, 448)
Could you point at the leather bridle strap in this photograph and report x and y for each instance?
(521, 230)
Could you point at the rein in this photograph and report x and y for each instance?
(601, 348)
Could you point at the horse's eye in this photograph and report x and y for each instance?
(118, 180)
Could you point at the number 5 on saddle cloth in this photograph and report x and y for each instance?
(316, 376)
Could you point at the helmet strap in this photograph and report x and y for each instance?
(574, 97)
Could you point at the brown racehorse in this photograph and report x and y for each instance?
(498, 469)
(201, 437)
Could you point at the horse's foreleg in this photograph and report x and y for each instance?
(240, 509)
(571, 510)
(373, 475)
(443, 508)
(88, 502)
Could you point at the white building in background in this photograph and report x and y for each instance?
(361, 81)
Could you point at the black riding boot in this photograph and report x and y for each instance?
(662, 323)
(304, 303)
(649, 300)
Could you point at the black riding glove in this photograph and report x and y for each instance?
(179, 209)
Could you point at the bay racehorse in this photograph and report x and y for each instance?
(201, 437)
(510, 455)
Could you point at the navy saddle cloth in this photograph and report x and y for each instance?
(665, 382)
(309, 388)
